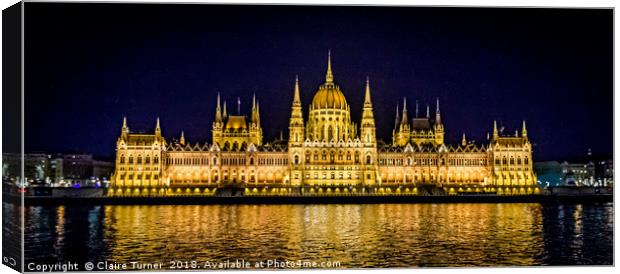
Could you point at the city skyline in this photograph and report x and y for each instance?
(144, 67)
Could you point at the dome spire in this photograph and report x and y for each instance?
(329, 77)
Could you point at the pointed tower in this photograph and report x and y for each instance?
(329, 76)
(125, 128)
(437, 113)
(438, 127)
(296, 138)
(296, 122)
(254, 113)
(256, 132)
(397, 117)
(404, 130)
(225, 112)
(524, 131)
(182, 139)
(368, 120)
(495, 132)
(463, 141)
(218, 123)
(157, 128)
(218, 110)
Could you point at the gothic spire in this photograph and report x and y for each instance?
(125, 128)
(495, 132)
(157, 128)
(182, 139)
(428, 111)
(416, 108)
(329, 77)
(218, 110)
(367, 100)
(258, 112)
(296, 97)
(397, 117)
(524, 130)
(464, 141)
(437, 114)
(404, 118)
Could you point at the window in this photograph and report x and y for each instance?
(296, 160)
(156, 160)
(122, 159)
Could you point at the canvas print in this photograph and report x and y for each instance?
(200, 137)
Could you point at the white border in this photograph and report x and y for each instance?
(501, 3)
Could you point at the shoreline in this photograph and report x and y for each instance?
(205, 200)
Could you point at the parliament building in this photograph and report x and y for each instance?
(325, 154)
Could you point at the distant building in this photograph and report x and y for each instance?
(81, 170)
(37, 167)
(578, 174)
(605, 172)
(58, 170)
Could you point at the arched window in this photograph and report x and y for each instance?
(147, 160)
(139, 159)
(214, 161)
(130, 159)
(156, 160)
(251, 160)
(296, 159)
(368, 159)
(122, 159)
(526, 161)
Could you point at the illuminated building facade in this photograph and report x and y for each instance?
(325, 154)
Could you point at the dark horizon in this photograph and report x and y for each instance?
(88, 65)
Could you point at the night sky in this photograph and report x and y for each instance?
(88, 65)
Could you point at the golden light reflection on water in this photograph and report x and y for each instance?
(355, 235)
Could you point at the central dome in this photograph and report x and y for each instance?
(329, 94)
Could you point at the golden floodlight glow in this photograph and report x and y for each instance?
(326, 154)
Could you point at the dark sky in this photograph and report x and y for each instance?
(87, 65)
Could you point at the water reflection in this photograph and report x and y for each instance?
(380, 235)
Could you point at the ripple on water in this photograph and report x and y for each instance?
(378, 235)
